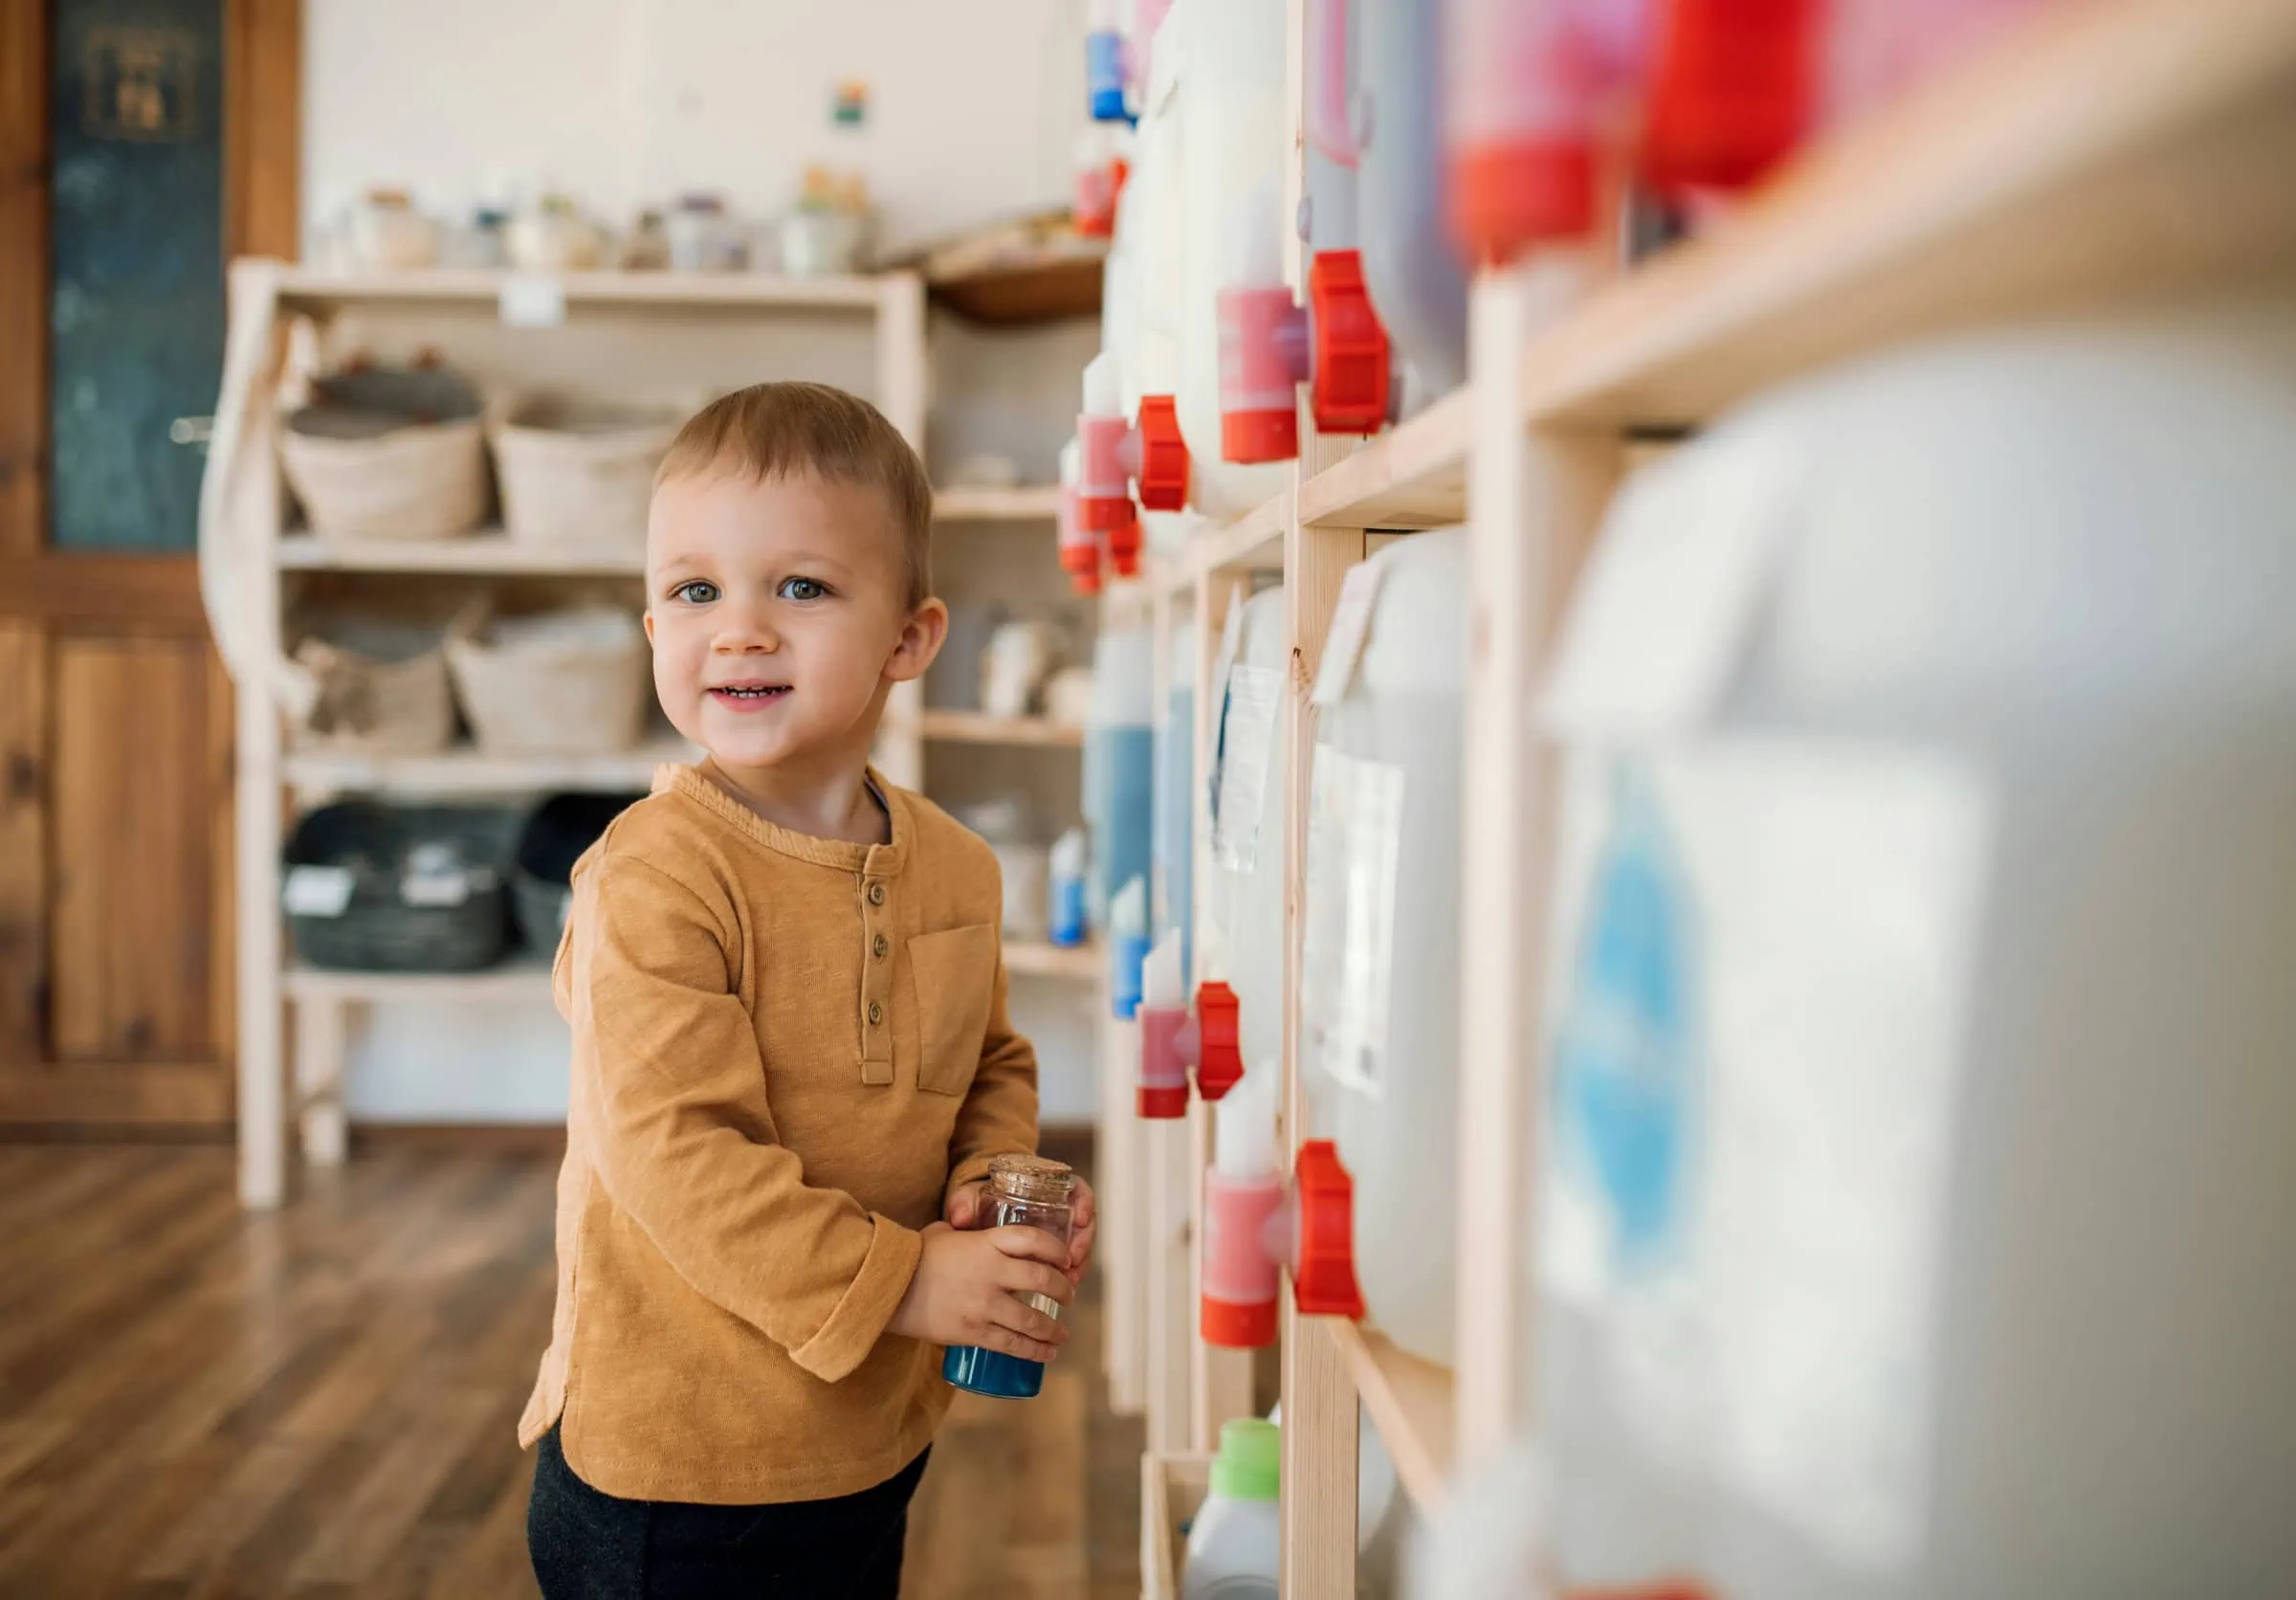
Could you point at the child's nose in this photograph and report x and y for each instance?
(742, 633)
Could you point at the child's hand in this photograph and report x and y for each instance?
(965, 1288)
(968, 1206)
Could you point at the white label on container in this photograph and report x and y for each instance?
(1763, 962)
(450, 886)
(1351, 629)
(1355, 840)
(1255, 698)
(317, 891)
(533, 300)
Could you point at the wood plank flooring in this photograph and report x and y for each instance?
(198, 1404)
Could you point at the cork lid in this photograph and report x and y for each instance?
(1037, 1178)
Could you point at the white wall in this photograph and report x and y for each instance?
(974, 106)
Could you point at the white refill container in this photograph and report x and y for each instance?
(1158, 230)
(1916, 1209)
(1235, 1544)
(1119, 762)
(1416, 279)
(1174, 900)
(1380, 963)
(1236, 140)
(1248, 825)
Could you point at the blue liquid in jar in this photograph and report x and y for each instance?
(992, 1372)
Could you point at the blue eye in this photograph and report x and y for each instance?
(696, 591)
(804, 589)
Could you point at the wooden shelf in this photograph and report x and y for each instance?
(523, 977)
(1028, 502)
(1025, 959)
(977, 727)
(1411, 1402)
(1414, 476)
(1025, 292)
(1172, 1489)
(488, 551)
(305, 288)
(473, 771)
(2102, 153)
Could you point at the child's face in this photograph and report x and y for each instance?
(779, 615)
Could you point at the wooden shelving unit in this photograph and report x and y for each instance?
(1027, 503)
(249, 554)
(2095, 156)
(979, 727)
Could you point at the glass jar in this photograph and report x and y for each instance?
(1023, 1191)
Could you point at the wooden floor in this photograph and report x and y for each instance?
(197, 1402)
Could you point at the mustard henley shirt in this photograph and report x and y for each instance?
(786, 1051)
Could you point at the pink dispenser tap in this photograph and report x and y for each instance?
(1079, 544)
(1269, 344)
(1173, 1038)
(1242, 1218)
(1114, 454)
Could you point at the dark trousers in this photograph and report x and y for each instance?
(588, 1545)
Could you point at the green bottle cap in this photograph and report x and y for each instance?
(1251, 1458)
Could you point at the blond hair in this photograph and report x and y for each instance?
(795, 428)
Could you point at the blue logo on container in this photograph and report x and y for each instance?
(1624, 1060)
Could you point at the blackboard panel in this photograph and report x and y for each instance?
(135, 260)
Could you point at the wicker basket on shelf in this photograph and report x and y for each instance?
(578, 472)
(388, 452)
(377, 686)
(572, 681)
(551, 840)
(377, 888)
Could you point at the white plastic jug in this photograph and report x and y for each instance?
(1917, 1213)
(1414, 274)
(1119, 766)
(1379, 967)
(1235, 1546)
(1175, 749)
(1237, 137)
(1247, 823)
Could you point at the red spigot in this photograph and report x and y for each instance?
(1323, 1234)
(1079, 546)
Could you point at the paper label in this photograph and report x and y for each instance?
(532, 300)
(316, 891)
(1763, 952)
(1247, 729)
(1346, 960)
(1351, 629)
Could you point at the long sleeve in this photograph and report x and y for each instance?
(684, 1135)
(998, 1116)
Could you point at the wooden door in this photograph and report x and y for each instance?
(141, 142)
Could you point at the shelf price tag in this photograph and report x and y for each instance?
(533, 300)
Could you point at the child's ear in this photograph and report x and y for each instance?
(647, 616)
(921, 638)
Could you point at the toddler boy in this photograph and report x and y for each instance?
(792, 1060)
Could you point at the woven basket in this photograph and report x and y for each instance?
(554, 835)
(380, 920)
(577, 472)
(388, 454)
(379, 689)
(556, 682)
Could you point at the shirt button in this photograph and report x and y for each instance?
(876, 1013)
(879, 945)
(877, 894)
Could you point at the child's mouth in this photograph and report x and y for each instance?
(749, 696)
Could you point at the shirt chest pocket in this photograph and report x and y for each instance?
(955, 974)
